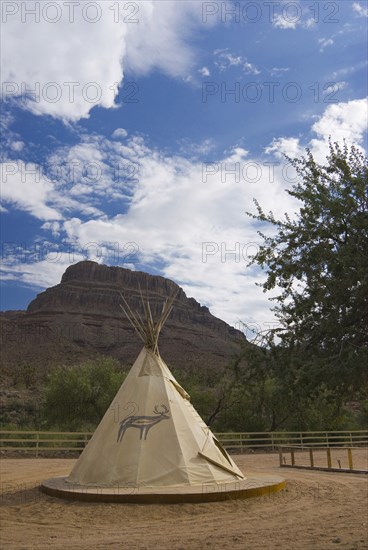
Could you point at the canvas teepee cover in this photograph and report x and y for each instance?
(151, 436)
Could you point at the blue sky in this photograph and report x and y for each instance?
(138, 133)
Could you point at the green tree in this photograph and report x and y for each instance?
(319, 261)
(77, 397)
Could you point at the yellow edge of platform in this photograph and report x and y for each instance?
(165, 498)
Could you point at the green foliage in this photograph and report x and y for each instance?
(319, 260)
(77, 397)
(21, 414)
(274, 400)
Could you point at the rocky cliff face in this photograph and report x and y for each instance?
(90, 288)
(81, 317)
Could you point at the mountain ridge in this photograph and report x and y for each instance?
(80, 318)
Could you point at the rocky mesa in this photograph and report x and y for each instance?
(81, 317)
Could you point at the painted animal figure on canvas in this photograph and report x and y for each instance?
(143, 423)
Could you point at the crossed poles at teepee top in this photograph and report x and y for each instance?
(148, 331)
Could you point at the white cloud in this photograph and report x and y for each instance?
(249, 68)
(193, 150)
(119, 133)
(294, 15)
(25, 187)
(281, 22)
(10, 140)
(360, 10)
(347, 71)
(285, 146)
(54, 227)
(31, 188)
(279, 71)
(204, 71)
(310, 23)
(159, 41)
(335, 87)
(225, 60)
(17, 145)
(324, 43)
(43, 273)
(341, 121)
(79, 63)
(71, 66)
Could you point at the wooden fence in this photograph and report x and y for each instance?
(336, 459)
(237, 442)
(244, 441)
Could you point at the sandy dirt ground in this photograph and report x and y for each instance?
(318, 510)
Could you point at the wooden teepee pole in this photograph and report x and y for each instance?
(147, 329)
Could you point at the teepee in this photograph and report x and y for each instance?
(151, 436)
(151, 445)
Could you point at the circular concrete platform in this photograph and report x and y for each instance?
(257, 485)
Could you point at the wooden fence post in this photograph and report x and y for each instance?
(280, 455)
(329, 464)
(292, 457)
(350, 459)
(311, 459)
(37, 441)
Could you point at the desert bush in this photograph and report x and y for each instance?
(77, 397)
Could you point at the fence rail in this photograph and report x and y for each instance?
(340, 459)
(239, 442)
